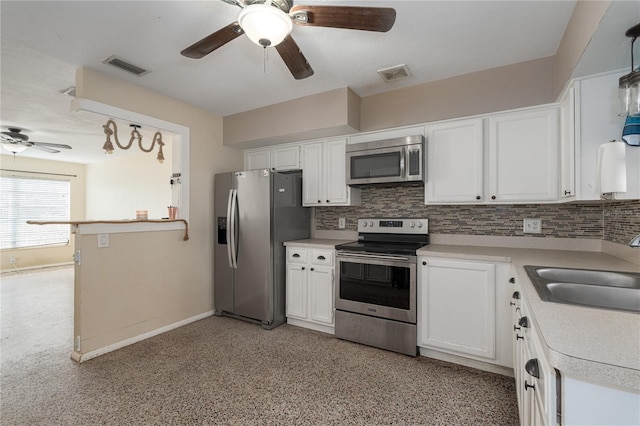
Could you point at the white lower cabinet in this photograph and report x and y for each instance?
(310, 301)
(535, 378)
(547, 396)
(463, 309)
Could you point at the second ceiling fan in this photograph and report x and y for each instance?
(269, 23)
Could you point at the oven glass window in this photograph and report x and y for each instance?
(375, 284)
(375, 165)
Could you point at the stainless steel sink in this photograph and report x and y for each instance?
(601, 289)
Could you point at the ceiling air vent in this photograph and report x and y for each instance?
(126, 66)
(394, 73)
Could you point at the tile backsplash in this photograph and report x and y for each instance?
(615, 221)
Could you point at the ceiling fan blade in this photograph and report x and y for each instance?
(213, 41)
(350, 17)
(48, 144)
(43, 148)
(294, 59)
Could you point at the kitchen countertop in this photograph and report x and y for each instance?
(322, 243)
(597, 345)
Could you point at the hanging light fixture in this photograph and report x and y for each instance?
(14, 148)
(111, 129)
(629, 84)
(264, 24)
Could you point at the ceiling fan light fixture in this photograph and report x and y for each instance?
(264, 24)
(14, 148)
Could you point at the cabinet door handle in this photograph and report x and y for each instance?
(516, 295)
(512, 304)
(327, 201)
(319, 201)
(512, 280)
(296, 255)
(524, 322)
(424, 263)
(516, 328)
(478, 197)
(303, 268)
(311, 269)
(567, 192)
(527, 386)
(518, 337)
(321, 258)
(533, 368)
(493, 197)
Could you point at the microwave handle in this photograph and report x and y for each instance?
(404, 159)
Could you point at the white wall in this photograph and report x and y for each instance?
(117, 187)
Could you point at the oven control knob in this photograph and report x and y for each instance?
(371, 223)
(412, 224)
(420, 225)
(364, 224)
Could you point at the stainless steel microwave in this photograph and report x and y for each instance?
(396, 160)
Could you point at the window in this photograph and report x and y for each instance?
(23, 199)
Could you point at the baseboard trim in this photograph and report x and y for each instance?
(36, 267)
(82, 357)
(455, 359)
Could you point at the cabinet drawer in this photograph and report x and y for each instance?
(296, 255)
(322, 257)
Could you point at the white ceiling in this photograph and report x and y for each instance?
(43, 43)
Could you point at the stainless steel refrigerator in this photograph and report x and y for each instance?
(256, 211)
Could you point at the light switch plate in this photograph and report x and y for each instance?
(532, 226)
(103, 240)
(341, 223)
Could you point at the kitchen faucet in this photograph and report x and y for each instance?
(635, 242)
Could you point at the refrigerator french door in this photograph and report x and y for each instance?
(256, 211)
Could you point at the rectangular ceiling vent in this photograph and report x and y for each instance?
(394, 73)
(126, 66)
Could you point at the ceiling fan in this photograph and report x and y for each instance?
(15, 141)
(270, 22)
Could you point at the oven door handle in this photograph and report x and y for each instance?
(373, 256)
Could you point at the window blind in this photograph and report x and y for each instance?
(23, 199)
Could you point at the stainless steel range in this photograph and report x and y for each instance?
(376, 284)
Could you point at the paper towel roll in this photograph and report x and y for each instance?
(611, 168)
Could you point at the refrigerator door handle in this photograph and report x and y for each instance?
(234, 230)
(230, 233)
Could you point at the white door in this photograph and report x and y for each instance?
(312, 174)
(523, 156)
(257, 159)
(321, 294)
(297, 291)
(335, 172)
(458, 303)
(454, 162)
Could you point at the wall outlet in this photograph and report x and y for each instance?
(342, 223)
(103, 240)
(12, 260)
(532, 226)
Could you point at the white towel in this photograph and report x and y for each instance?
(611, 168)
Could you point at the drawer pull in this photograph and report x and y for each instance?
(296, 255)
(527, 386)
(524, 322)
(512, 280)
(516, 295)
(519, 337)
(533, 368)
(322, 258)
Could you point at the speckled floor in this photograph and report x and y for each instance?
(223, 371)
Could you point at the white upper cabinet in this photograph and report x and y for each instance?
(454, 162)
(324, 175)
(513, 160)
(597, 122)
(279, 158)
(380, 135)
(567, 145)
(257, 159)
(523, 156)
